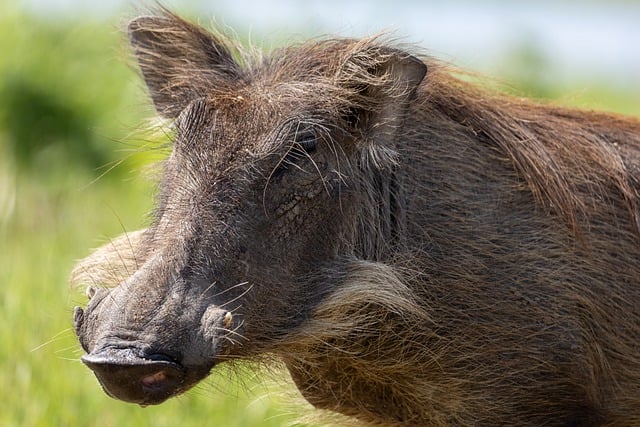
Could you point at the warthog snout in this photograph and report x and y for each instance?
(145, 380)
(147, 365)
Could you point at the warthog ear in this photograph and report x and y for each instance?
(180, 61)
(382, 81)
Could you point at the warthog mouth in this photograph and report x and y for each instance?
(147, 380)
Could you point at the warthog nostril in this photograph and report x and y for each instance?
(159, 357)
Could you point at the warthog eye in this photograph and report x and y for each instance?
(306, 143)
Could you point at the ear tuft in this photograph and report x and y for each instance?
(180, 61)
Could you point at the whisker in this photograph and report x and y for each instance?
(230, 331)
(73, 348)
(68, 359)
(53, 339)
(109, 167)
(207, 289)
(245, 292)
(222, 292)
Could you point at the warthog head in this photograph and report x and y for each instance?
(259, 195)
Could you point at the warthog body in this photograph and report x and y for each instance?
(417, 251)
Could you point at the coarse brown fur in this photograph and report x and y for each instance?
(447, 256)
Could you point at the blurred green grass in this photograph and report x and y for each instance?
(68, 107)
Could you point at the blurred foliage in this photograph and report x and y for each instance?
(526, 70)
(63, 90)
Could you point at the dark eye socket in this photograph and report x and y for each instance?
(306, 143)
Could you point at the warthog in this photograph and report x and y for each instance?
(416, 250)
